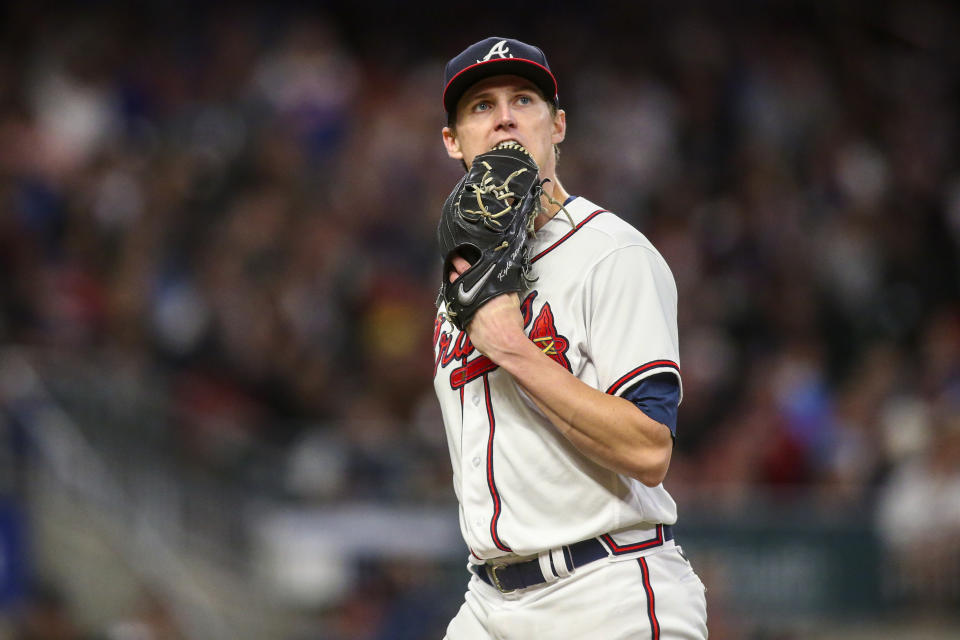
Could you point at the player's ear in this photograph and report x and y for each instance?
(452, 144)
(559, 126)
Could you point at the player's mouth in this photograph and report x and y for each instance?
(506, 142)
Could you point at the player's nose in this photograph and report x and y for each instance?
(505, 116)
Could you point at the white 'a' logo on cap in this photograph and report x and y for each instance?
(500, 50)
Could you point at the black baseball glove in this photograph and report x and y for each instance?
(487, 220)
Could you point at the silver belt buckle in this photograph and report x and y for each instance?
(496, 580)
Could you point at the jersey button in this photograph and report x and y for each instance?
(476, 461)
(476, 401)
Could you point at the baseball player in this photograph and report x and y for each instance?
(560, 402)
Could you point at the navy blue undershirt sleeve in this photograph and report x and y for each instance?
(658, 396)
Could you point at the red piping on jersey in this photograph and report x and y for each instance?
(617, 550)
(568, 234)
(651, 609)
(490, 481)
(461, 392)
(656, 364)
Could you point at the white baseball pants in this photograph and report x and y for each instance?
(652, 597)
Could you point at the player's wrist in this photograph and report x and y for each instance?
(517, 354)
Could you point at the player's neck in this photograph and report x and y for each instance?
(551, 206)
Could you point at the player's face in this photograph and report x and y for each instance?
(505, 108)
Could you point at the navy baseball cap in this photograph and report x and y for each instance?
(494, 57)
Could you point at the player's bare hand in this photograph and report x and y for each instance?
(497, 327)
(496, 330)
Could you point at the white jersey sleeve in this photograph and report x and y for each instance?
(630, 306)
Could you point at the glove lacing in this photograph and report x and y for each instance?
(500, 191)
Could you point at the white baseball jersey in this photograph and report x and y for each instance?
(604, 306)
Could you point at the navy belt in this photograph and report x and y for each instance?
(520, 575)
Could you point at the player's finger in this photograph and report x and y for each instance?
(460, 265)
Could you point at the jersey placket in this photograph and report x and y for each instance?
(483, 503)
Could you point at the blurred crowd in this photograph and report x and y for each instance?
(237, 207)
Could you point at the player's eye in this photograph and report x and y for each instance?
(524, 99)
(481, 106)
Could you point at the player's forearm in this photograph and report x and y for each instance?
(609, 430)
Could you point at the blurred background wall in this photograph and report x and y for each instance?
(218, 269)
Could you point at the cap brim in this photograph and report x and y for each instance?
(533, 71)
